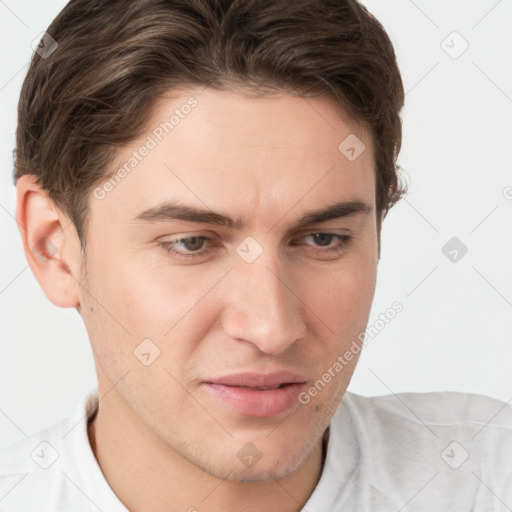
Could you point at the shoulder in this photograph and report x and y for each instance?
(40, 471)
(475, 422)
(445, 448)
(31, 467)
(453, 408)
(35, 451)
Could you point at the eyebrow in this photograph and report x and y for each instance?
(168, 211)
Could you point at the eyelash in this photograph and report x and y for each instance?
(169, 246)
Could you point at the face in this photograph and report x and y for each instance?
(216, 296)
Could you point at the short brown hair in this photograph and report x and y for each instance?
(115, 58)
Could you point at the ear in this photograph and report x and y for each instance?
(50, 242)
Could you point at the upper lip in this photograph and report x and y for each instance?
(256, 380)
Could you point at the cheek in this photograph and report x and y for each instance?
(142, 302)
(343, 305)
(346, 293)
(171, 308)
(159, 302)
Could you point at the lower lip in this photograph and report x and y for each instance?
(256, 402)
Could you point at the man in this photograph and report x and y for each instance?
(205, 182)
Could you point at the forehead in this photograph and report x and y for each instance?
(218, 148)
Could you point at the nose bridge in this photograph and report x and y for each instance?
(264, 308)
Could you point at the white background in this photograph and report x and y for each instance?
(455, 331)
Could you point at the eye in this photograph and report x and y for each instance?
(201, 246)
(192, 244)
(326, 239)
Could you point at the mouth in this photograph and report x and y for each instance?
(258, 395)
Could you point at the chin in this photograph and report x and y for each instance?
(275, 472)
(270, 467)
(259, 474)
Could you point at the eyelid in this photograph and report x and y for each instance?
(301, 233)
(212, 236)
(323, 229)
(343, 242)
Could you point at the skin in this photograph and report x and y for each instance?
(163, 442)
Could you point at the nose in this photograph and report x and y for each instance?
(264, 305)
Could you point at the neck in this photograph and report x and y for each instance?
(147, 475)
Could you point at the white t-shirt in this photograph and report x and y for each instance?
(427, 452)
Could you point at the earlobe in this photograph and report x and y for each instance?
(50, 243)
